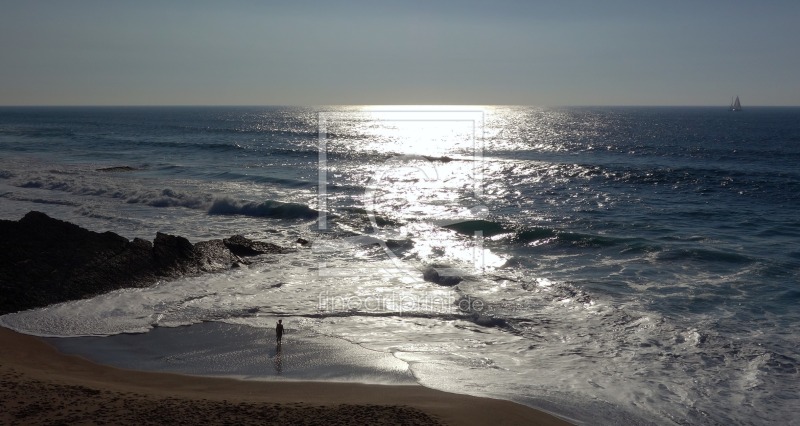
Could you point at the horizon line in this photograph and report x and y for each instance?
(382, 105)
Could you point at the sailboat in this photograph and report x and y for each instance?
(735, 105)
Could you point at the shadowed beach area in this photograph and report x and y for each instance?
(39, 385)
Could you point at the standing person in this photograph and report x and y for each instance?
(279, 331)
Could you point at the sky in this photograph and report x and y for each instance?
(296, 52)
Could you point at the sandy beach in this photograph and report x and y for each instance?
(39, 385)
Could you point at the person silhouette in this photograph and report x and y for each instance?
(279, 331)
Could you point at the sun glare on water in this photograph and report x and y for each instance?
(423, 130)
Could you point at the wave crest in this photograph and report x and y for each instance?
(269, 208)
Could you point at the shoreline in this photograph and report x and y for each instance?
(41, 385)
(240, 351)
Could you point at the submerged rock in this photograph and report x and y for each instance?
(45, 260)
(117, 169)
(431, 274)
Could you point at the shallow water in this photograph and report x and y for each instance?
(240, 351)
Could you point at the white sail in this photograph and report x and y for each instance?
(736, 105)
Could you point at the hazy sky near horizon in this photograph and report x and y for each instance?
(256, 52)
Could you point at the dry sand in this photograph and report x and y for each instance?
(39, 385)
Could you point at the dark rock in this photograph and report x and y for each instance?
(443, 159)
(213, 256)
(399, 244)
(172, 255)
(144, 244)
(117, 169)
(242, 246)
(430, 274)
(45, 261)
(175, 256)
(303, 242)
(488, 321)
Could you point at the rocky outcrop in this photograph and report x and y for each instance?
(242, 246)
(45, 260)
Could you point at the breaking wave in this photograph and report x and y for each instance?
(269, 208)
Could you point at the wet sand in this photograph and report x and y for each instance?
(39, 385)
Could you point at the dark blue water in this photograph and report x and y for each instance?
(655, 249)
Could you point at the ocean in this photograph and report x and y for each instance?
(611, 265)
